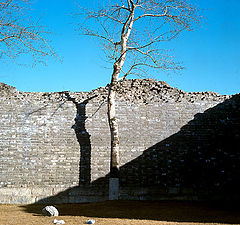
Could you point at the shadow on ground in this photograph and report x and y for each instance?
(148, 210)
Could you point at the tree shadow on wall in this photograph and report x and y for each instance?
(83, 138)
(200, 162)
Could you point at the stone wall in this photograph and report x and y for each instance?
(55, 147)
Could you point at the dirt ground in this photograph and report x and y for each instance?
(124, 212)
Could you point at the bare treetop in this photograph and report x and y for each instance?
(19, 34)
(144, 25)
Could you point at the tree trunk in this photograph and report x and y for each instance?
(114, 165)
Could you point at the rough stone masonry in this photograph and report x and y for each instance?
(55, 147)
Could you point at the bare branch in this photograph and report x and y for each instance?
(19, 35)
(91, 33)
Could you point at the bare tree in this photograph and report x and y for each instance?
(136, 30)
(19, 34)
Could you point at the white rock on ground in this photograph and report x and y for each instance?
(91, 221)
(50, 211)
(58, 221)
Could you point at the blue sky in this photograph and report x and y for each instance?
(210, 55)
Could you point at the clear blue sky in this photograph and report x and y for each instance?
(211, 55)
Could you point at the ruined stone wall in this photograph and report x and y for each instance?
(56, 147)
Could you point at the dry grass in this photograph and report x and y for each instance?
(123, 212)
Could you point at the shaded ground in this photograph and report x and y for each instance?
(124, 212)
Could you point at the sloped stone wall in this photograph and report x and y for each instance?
(55, 147)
